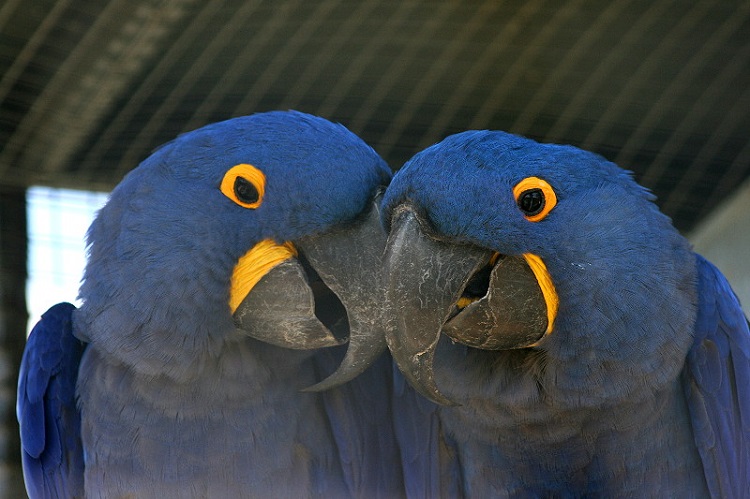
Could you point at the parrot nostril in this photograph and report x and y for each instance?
(328, 308)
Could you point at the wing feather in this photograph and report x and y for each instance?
(46, 408)
(717, 385)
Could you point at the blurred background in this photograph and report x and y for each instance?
(89, 87)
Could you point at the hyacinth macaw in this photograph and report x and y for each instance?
(215, 270)
(575, 343)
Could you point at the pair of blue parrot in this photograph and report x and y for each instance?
(554, 335)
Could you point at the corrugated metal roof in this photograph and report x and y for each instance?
(90, 87)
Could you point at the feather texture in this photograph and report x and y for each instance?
(641, 387)
(717, 385)
(46, 407)
(176, 399)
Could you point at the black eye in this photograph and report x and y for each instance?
(531, 202)
(535, 198)
(245, 191)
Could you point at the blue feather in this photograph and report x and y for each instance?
(50, 422)
(606, 404)
(717, 385)
(360, 416)
(175, 398)
(430, 463)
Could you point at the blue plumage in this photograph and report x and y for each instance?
(640, 387)
(50, 424)
(176, 398)
(716, 383)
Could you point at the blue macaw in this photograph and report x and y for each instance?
(586, 350)
(216, 272)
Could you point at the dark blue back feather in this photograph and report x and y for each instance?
(50, 423)
(717, 385)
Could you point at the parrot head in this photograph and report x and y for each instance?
(510, 248)
(264, 225)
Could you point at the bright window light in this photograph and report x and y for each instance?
(57, 224)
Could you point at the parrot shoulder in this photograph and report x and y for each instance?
(717, 385)
(46, 408)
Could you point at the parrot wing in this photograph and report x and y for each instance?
(717, 385)
(50, 422)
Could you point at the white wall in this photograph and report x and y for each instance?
(724, 239)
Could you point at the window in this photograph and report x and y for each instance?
(57, 224)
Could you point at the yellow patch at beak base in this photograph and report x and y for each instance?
(253, 265)
(539, 269)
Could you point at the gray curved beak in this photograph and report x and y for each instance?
(280, 310)
(349, 261)
(425, 281)
(330, 294)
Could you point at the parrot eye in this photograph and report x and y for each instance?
(244, 184)
(535, 198)
(245, 191)
(531, 202)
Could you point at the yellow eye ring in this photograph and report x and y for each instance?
(244, 184)
(535, 198)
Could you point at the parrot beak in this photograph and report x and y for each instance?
(281, 310)
(349, 260)
(467, 292)
(329, 293)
